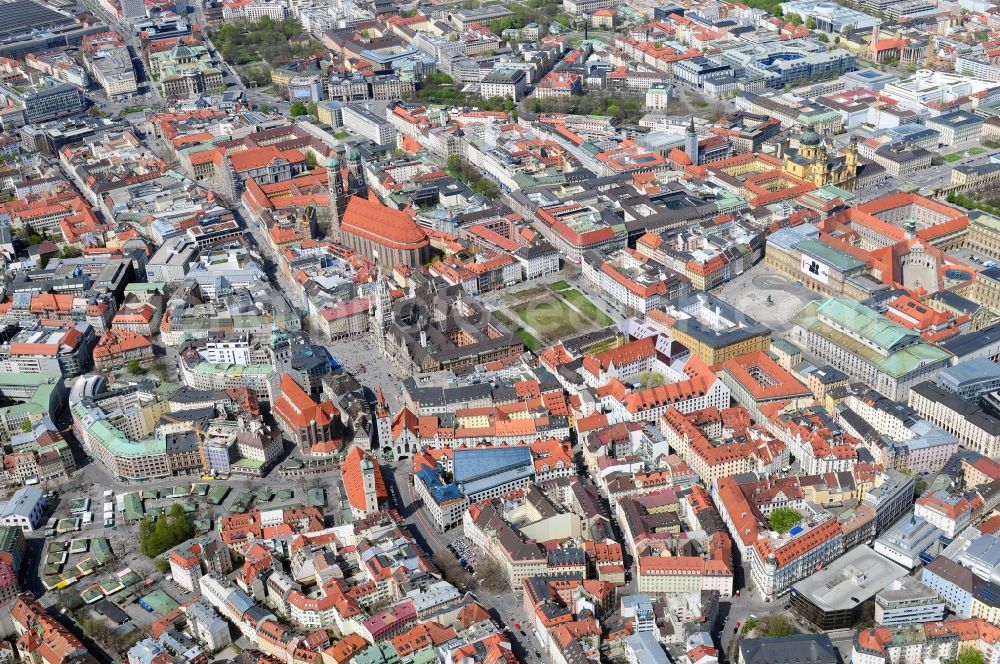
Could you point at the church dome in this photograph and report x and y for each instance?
(809, 138)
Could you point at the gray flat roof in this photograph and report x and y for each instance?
(910, 536)
(21, 14)
(852, 579)
(968, 372)
(964, 344)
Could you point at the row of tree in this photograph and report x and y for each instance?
(461, 169)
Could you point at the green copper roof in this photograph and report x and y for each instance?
(987, 220)
(903, 354)
(864, 322)
(833, 257)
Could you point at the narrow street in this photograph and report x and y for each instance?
(507, 608)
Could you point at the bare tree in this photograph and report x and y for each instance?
(493, 576)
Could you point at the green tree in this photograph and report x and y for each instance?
(969, 655)
(486, 188)
(298, 108)
(72, 251)
(651, 379)
(161, 565)
(783, 518)
(822, 37)
(26, 426)
(794, 19)
(811, 23)
(455, 166)
(135, 367)
(96, 628)
(167, 530)
(313, 109)
(776, 625)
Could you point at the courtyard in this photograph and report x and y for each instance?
(556, 311)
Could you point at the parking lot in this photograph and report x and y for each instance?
(467, 554)
(973, 259)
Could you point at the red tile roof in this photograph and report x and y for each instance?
(298, 409)
(354, 482)
(383, 225)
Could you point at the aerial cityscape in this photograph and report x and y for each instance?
(500, 331)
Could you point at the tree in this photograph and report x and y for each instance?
(969, 655)
(162, 566)
(783, 518)
(310, 160)
(166, 531)
(454, 166)
(493, 577)
(313, 109)
(794, 19)
(450, 570)
(26, 426)
(72, 251)
(487, 188)
(651, 379)
(811, 23)
(69, 599)
(95, 628)
(135, 367)
(298, 108)
(822, 37)
(776, 625)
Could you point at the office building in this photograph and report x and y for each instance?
(362, 121)
(910, 542)
(46, 99)
(508, 82)
(906, 601)
(842, 594)
(24, 509)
